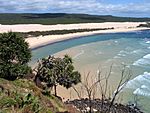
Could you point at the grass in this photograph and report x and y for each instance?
(23, 96)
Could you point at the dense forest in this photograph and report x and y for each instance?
(62, 18)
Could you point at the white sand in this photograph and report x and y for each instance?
(38, 27)
(35, 42)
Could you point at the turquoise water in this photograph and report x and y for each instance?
(100, 51)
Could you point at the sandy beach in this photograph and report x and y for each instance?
(35, 42)
(39, 27)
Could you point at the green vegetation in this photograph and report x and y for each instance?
(22, 96)
(53, 71)
(62, 18)
(56, 32)
(14, 56)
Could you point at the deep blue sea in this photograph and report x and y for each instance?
(100, 51)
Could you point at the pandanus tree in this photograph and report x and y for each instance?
(14, 56)
(57, 71)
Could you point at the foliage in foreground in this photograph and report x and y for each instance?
(22, 96)
(14, 56)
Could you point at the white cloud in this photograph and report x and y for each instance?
(73, 6)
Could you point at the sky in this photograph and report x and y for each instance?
(130, 8)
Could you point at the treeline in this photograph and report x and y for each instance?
(57, 32)
(62, 18)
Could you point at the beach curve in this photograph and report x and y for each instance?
(37, 42)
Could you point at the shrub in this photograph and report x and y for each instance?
(14, 56)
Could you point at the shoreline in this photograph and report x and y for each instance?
(41, 41)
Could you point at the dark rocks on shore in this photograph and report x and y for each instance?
(99, 106)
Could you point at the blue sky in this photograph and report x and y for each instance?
(134, 8)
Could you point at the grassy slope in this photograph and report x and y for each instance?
(62, 18)
(22, 96)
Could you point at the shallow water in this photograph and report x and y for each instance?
(101, 51)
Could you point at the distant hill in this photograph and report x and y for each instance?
(62, 18)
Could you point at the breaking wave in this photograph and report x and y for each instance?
(144, 62)
(140, 84)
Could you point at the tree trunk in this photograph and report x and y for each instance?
(111, 103)
(90, 106)
(55, 90)
(90, 103)
(102, 103)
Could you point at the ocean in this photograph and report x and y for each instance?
(99, 52)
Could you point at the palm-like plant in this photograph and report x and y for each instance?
(54, 71)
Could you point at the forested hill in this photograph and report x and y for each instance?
(62, 18)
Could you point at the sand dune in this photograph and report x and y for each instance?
(35, 42)
(38, 27)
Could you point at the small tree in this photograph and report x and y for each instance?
(14, 56)
(53, 71)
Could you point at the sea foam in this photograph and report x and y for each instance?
(148, 42)
(143, 91)
(147, 56)
(140, 84)
(145, 61)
